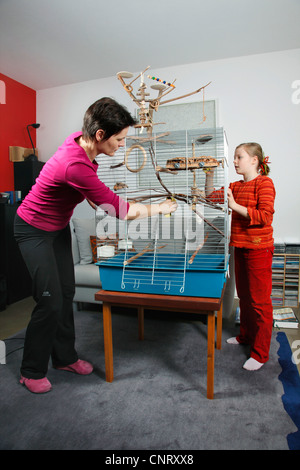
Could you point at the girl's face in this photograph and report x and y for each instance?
(111, 145)
(244, 163)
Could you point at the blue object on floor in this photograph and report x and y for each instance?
(291, 383)
(238, 316)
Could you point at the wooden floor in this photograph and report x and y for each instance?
(16, 316)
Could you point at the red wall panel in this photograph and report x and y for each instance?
(17, 110)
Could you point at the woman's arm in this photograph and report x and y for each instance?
(85, 180)
(140, 211)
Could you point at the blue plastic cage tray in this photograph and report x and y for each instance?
(168, 274)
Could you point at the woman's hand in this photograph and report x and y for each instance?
(168, 206)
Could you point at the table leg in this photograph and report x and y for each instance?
(210, 354)
(141, 322)
(219, 327)
(108, 346)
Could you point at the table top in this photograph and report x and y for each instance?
(171, 302)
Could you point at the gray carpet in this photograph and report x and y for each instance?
(158, 398)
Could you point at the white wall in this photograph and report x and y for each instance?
(254, 102)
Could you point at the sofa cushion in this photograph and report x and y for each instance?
(87, 275)
(84, 228)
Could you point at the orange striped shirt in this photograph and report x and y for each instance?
(258, 195)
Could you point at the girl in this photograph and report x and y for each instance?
(43, 234)
(252, 203)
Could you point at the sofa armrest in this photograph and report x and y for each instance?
(75, 250)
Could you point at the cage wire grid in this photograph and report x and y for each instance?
(165, 254)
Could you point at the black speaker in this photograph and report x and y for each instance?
(25, 174)
(3, 293)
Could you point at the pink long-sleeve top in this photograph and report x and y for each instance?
(66, 179)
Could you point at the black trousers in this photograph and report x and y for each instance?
(50, 332)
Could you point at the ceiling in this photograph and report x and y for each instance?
(48, 43)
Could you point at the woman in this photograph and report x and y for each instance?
(43, 234)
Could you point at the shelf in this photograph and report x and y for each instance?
(285, 280)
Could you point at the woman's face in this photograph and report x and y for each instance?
(111, 145)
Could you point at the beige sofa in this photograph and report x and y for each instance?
(87, 277)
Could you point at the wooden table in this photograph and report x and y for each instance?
(198, 305)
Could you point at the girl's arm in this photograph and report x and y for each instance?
(209, 182)
(241, 210)
(263, 212)
(213, 195)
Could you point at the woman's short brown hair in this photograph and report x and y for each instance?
(108, 115)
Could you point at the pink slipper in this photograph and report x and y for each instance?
(79, 367)
(36, 385)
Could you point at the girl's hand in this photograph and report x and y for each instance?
(236, 207)
(209, 172)
(230, 197)
(168, 206)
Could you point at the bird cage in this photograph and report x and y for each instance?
(185, 253)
